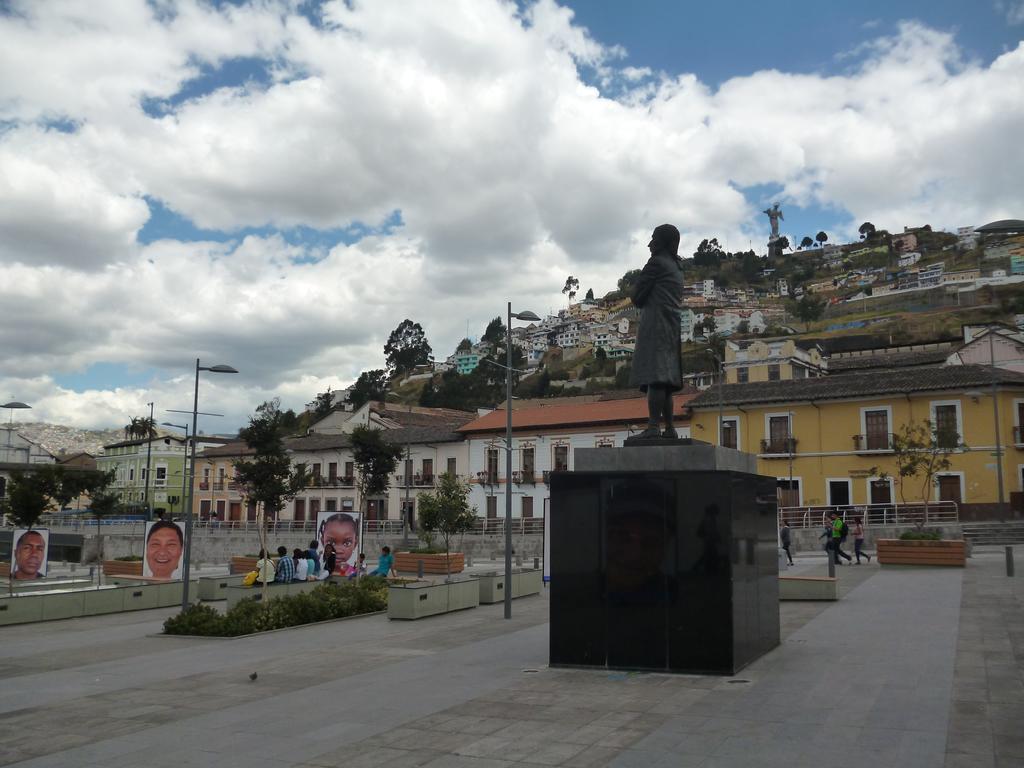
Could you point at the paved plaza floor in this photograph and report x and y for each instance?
(912, 667)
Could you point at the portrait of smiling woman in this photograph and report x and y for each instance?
(164, 546)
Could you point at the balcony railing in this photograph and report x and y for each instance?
(873, 441)
(487, 478)
(524, 478)
(780, 446)
(204, 486)
(423, 480)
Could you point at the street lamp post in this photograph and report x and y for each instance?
(530, 316)
(12, 407)
(149, 454)
(191, 477)
(184, 464)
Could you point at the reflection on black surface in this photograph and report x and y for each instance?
(663, 570)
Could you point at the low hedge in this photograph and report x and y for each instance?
(920, 536)
(329, 600)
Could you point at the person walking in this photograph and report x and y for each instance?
(858, 540)
(838, 527)
(785, 539)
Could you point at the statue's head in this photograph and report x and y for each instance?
(665, 238)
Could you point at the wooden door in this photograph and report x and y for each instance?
(881, 492)
(949, 488)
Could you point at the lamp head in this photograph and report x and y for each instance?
(220, 369)
(15, 404)
(527, 315)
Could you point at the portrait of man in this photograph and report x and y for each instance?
(30, 548)
(165, 544)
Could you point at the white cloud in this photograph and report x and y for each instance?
(509, 170)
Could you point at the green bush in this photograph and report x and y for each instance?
(920, 536)
(327, 601)
(129, 558)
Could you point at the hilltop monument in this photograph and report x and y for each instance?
(774, 215)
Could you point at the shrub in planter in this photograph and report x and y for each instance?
(920, 536)
(198, 619)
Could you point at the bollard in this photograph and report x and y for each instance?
(536, 563)
(1009, 561)
(419, 569)
(831, 566)
(469, 561)
(519, 561)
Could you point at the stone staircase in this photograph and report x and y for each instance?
(981, 534)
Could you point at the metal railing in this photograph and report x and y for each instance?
(873, 441)
(914, 513)
(783, 446)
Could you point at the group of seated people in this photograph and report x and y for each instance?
(306, 565)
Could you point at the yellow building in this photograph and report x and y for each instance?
(771, 360)
(833, 435)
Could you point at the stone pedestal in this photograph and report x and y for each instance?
(663, 558)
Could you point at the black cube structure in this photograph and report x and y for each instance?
(662, 570)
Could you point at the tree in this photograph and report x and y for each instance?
(867, 229)
(627, 281)
(371, 385)
(750, 266)
(821, 237)
(464, 346)
(782, 244)
(571, 286)
(809, 308)
(707, 325)
(494, 334)
(921, 452)
(743, 327)
(27, 497)
(104, 503)
(407, 347)
(708, 254)
(447, 513)
(375, 460)
(590, 294)
(807, 242)
(268, 479)
(324, 404)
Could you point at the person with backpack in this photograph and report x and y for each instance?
(858, 540)
(838, 527)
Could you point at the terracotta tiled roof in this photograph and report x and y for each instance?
(887, 362)
(233, 448)
(605, 413)
(439, 433)
(854, 385)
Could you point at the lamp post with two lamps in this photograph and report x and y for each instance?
(531, 317)
(192, 478)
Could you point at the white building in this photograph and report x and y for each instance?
(782, 287)
(708, 290)
(909, 259)
(545, 438)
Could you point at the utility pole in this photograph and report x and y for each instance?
(150, 425)
(995, 416)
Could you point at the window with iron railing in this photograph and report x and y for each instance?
(492, 465)
(561, 455)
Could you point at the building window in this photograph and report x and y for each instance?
(876, 429)
(778, 435)
(729, 433)
(528, 464)
(561, 458)
(332, 471)
(332, 505)
(314, 508)
(492, 465)
(743, 375)
(300, 509)
(799, 372)
(946, 423)
(161, 475)
(527, 506)
(314, 469)
(428, 469)
(452, 467)
(204, 509)
(350, 470)
(221, 506)
(773, 373)
(492, 507)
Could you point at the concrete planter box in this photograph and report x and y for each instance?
(524, 582)
(420, 598)
(122, 567)
(216, 587)
(37, 585)
(808, 588)
(59, 604)
(235, 594)
(408, 562)
(911, 552)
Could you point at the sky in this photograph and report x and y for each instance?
(276, 184)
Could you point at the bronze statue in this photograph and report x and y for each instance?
(657, 360)
(774, 214)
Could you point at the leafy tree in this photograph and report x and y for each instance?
(267, 479)
(622, 377)
(464, 346)
(407, 347)
(743, 327)
(446, 513)
(375, 460)
(707, 325)
(750, 266)
(323, 404)
(821, 237)
(782, 244)
(571, 286)
(627, 281)
(371, 385)
(104, 503)
(27, 497)
(590, 294)
(807, 242)
(867, 229)
(494, 333)
(921, 452)
(709, 253)
(809, 308)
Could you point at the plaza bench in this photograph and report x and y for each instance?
(808, 588)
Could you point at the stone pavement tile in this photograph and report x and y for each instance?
(461, 761)
(970, 743)
(591, 757)
(1010, 746)
(970, 761)
(373, 756)
(556, 753)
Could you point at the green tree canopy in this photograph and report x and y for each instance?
(590, 294)
(867, 229)
(807, 242)
(572, 285)
(371, 385)
(466, 345)
(495, 333)
(709, 253)
(375, 460)
(809, 308)
(407, 347)
(627, 281)
(446, 511)
(821, 237)
(324, 404)
(267, 479)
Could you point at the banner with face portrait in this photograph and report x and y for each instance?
(29, 552)
(343, 532)
(165, 545)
